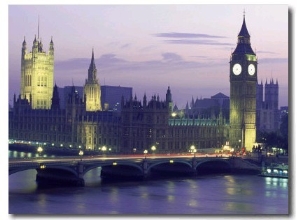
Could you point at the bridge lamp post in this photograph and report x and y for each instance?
(193, 150)
(153, 148)
(145, 152)
(81, 154)
(104, 149)
(39, 150)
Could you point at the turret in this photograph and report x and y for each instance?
(169, 100)
(51, 48)
(24, 47)
(55, 99)
(40, 47)
(35, 45)
(145, 101)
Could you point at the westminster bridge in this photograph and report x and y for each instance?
(71, 170)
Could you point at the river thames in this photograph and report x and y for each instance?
(202, 195)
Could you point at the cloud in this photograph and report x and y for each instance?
(186, 35)
(190, 38)
(72, 64)
(169, 62)
(272, 60)
(268, 52)
(107, 60)
(147, 48)
(201, 42)
(125, 46)
(171, 57)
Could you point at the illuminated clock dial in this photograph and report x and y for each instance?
(251, 69)
(237, 69)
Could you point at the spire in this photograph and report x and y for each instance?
(93, 54)
(145, 100)
(244, 31)
(92, 69)
(169, 95)
(24, 45)
(243, 45)
(51, 47)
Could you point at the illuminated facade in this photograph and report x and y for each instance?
(37, 70)
(243, 81)
(147, 124)
(140, 126)
(92, 92)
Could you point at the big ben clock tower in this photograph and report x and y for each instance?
(243, 79)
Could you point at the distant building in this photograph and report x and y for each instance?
(209, 107)
(65, 91)
(284, 110)
(112, 96)
(267, 110)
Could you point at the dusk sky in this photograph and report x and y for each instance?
(151, 47)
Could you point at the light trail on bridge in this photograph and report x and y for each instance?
(137, 157)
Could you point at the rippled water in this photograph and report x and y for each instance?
(222, 194)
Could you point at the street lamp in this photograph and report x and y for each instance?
(104, 148)
(193, 150)
(153, 148)
(81, 154)
(145, 152)
(39, 150)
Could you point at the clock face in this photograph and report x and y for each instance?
(251, 69)
(237, 69)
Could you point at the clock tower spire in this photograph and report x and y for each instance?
(243, 80)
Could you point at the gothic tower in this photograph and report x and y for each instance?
(37, 73)
(243, 81)
(92, 90)
(271, 95)
(169, 100)
(55, 99)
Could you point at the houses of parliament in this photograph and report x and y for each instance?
(83, 121)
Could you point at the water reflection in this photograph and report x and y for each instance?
(282, 182)
(19, 154)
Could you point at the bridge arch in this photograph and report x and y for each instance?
(213, 166)
(88, 168)
(39, 166)
(170, 168)
(20, 169)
